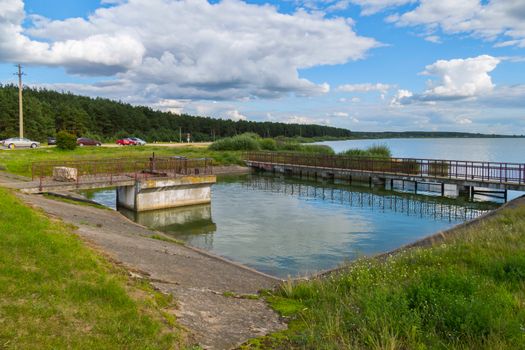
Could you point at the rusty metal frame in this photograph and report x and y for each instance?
(111, 169)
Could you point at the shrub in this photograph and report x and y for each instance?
(236, 143)
(66, 140)
(381, 151)
(268, 144)
(289, 146)
(225, 144)
(251, 135)
(318, 149)
(355, 153)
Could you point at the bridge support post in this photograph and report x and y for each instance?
(467, 191)
(166, 193)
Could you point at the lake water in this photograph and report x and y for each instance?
(290, 227)
(510, 150)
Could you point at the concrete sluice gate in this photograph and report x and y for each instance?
(154, 194)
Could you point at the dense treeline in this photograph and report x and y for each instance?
(420, 134)
(46, 112)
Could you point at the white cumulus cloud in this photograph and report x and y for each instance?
(366, 87)
(502, 21)
(400, 96)
(98, 53)
(370, 7)
(188, 49)
(461, 78)
(298, 119)
(235, 115)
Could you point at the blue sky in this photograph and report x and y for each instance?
(377, 65)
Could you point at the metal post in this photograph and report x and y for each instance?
(20, 101)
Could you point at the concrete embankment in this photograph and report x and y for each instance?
(201, 283)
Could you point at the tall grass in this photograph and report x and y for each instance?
(467, 292)
(382, 151)
(253, 142)
(57, 294)
(236, 143)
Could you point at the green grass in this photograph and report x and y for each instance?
(19, 161)
(465, 293)
(56, 293)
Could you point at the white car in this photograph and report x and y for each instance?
(14, 142)
(137, 141)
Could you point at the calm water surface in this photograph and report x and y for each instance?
(289, 227)
(510, 150)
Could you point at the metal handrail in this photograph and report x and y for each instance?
(131, 167)
(433, 168)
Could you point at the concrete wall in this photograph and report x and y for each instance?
(166, 193)
(126, 197)
(170, 197)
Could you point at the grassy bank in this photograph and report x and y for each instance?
(56, 293)
(465, 293)
(19, 161)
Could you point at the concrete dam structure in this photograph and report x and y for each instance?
(142, 184)
(154, 194)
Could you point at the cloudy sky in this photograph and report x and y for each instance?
(444, 65)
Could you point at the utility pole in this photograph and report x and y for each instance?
(20, 102)
(180, 135)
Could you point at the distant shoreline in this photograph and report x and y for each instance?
(361, 135)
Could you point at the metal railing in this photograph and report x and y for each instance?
(494, 172)
(117, 169)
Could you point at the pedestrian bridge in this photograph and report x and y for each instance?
(465, 175)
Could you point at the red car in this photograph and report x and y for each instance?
(126, 142)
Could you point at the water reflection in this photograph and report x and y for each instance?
(434, 208)
(286, 226)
